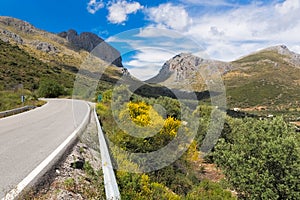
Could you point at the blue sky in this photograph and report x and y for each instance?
(150, 32)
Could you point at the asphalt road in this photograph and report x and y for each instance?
(28, 138)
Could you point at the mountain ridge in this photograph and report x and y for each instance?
(31, 55)
(50, 47)
(268, 77)
(89, 41)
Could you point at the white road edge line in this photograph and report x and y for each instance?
(110, 182)
(30, 177)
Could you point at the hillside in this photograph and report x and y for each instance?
(267, 79)
(29, 55)
(19, 67)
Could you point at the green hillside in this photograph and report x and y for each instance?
(18, 67)
(21, 73)
(263, 82)
(30, 56)
(265, 79)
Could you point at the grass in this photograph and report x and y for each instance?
(12, 99)
(263, 55)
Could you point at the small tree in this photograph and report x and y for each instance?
(50, 89)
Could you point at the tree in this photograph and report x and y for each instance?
(262, 159)
(50, 89)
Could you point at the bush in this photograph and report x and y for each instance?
(50, 89)
(262, 159)
(209, 190)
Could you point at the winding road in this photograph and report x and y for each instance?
(27, 139)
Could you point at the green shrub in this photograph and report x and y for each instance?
(209, 191)
(262, 159)
(50, 89)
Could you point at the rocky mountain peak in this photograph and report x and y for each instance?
(89, 41)
(281, 49)
(291, 56)
(185, 66)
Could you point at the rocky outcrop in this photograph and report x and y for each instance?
(86, 41)
(6, 35)
(291, 56)
(18, 24)
(92, 43)
(47, 47)
(185, 66)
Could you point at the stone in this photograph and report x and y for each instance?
(78, 164)
(46, 47)
(10, 35)
(18, 24)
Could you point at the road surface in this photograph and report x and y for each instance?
(28, 138)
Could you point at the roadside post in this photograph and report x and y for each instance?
(99, 98)
(22, 99)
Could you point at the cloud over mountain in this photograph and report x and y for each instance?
(94, 5)
(119, 11)
(169, 15)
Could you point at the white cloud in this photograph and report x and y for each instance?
(209, 2)
(175, 17)
(152, 51)
(147, 62)
(152, 32)
(224, 35)
(150, 55)
(230, 33)
(295, 48)
(288, 6)
(144, 73)
(119, 11)
(94, 5)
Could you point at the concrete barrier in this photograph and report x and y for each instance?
(15, 111)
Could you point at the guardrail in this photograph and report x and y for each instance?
(110, 183)
(15, 111)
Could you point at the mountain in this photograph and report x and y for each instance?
(30, 57)
(28, 54)
(267, 79)
(185, 70)
(69, 43)
(88, 41)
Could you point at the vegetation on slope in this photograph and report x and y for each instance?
(263, 79)
(19, 67)
(179, 180)
(261, 159)
(20, 74)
